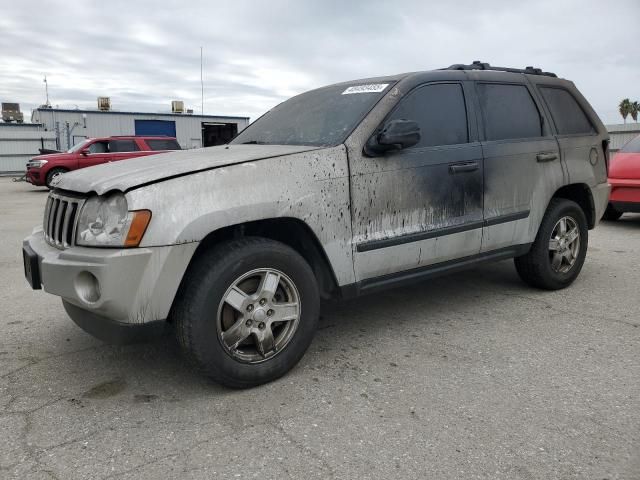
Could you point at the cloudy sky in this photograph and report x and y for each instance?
(257, 53)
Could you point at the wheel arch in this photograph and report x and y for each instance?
(292, 232)
(581, 194)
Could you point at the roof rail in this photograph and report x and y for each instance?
(478, 65)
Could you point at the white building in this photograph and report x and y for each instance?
(21, 141)
(60, 129)
(192, 131)
(621, 133)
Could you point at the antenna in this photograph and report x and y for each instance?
(46, 90)
(201, 85)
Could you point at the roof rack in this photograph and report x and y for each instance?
(478, 65)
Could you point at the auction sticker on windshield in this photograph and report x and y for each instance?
(370, 88)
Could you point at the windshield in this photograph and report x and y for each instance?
(77, 146)
(322, 117)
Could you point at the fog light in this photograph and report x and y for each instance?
(87, 287)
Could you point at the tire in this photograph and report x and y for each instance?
(204, 321)
(611, 214)
(51, 174)
(537, 267)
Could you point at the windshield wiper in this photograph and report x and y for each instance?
(254, 142)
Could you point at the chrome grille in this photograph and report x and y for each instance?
(60, 219)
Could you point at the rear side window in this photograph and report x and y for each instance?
(163, 144)
(508, 112)
(632, 146)
(439, 110)
(567, 114)
(123, 146)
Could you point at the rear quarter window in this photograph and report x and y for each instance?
(567, 113)
(163, 144)
(116, 146)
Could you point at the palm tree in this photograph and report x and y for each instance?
(624, 108)
(634, 110)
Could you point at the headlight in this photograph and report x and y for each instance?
(105, 222)
(36, 163)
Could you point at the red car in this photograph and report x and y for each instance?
(624, 177)
(41, 170)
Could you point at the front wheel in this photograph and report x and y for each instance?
(52, 175)
(559, 250)
(247, 311)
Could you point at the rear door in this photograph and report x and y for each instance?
(421, 205)
(580, 146)
(122, 149)
(522, 165)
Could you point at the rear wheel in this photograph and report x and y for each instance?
(247, 311)
(559, 250)
(611, 214)
(53, 174)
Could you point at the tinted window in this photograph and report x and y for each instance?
(320, 117)
(508, 112)
(123, 146)
(632, 146)
(439, 110)
(567, 114)
(163, 144)
(98, 147)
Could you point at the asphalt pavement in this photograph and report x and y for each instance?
(469, 376)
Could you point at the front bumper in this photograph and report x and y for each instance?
(33, 177)
(126, 287)
(625, 191)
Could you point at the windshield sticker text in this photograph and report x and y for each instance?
(371, 88)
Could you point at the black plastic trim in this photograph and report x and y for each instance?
(632, 207)
(510, 217)
(439, 232)
(113, 332)
(384, 282)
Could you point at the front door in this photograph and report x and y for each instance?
(421, 205)
(95, 154)
(522, 166)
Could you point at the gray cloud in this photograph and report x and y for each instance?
(144, 54)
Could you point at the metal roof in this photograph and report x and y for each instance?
(630, 127)
(22, 125)
(115, 112)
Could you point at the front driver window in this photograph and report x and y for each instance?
(440, 111)
(98, 147)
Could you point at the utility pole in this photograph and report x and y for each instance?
(201, 86)
(46, 90)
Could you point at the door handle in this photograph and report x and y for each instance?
(463, 167)
(546, 157)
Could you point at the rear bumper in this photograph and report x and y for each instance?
(600, 199)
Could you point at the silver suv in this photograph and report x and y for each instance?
(337, 192)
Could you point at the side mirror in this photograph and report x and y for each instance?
(395, 135)
(85, 152)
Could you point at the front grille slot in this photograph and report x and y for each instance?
(60, 219)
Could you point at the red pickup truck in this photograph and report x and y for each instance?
(41, 170)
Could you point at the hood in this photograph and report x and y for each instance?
(52, 156)
(625, 165)
(127, 174)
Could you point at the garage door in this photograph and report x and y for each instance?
(156, 127)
